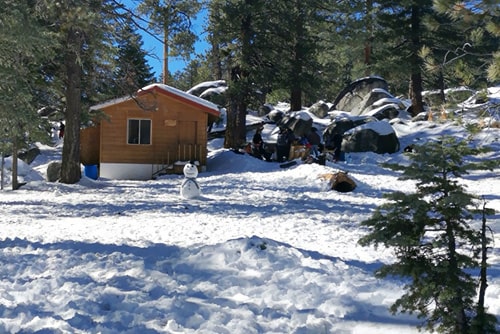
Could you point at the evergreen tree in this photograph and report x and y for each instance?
(401, 23)
(294, 39)
(442, 53)
(483, 322)
(81, 71)
(23, 47)
(197, 70)
(238, 28)
(259, 47)
(172, 20)
(346, 45)
(132, 71)
(434, 244)
(478, 22)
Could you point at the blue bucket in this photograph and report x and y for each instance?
(90, 171)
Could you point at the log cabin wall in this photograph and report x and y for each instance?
(178, 132)
(90, 145)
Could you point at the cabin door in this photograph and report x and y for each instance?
(188, 150)
(187, 132)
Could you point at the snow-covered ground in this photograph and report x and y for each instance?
(263, 250)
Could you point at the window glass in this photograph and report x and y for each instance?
(145, 132)
(139, 131)
(133, 131)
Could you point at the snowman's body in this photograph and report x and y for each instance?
(189, 186)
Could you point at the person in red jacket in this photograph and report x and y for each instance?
(61, 130)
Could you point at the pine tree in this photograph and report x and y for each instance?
(132, 71)
(483, 322)
(237, 28)
(300, 24)
(172, 20)
(23, 47)
(431, 234)
(83, 37)
(346, 45)
(479, 24)
(196, 71)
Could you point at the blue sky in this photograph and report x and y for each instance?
(175, 64)
(153, 46)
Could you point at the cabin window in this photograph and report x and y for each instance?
(139, 131)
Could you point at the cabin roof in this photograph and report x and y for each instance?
(166, 90)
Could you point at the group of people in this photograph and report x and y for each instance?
(286, 138)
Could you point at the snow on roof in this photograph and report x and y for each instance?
(167, 90)
(182, 94)
(110, 103)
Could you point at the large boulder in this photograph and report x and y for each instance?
(46, 111)
(215, 95)
(456, 95)
(362, 134)
(366, 104)
(300, 122)
(378, 137)
(352, 96)
(339, 126)
(319, 109)
(264, 110)
(386, 111)
(200, 88)
(275, 116)
(54, 171)
(29, 155)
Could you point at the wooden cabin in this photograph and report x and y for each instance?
(156, 131)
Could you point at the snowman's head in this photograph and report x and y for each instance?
(190, 170)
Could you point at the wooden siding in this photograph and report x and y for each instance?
(89, 146)
(178, 132)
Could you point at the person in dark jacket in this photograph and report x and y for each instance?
(258, 145)
(337, 144)
(285, 139)
(314, 140)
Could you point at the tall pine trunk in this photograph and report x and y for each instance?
(296, 99)
(216, 61)
(240, 88)
(70, 168)
(298, 63)
(369, 38)
(297, 68)
(165, 53)
(15, 148)
(416, 75)
(235, 135)
(461, 325)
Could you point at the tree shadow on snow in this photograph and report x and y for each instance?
(95, 287)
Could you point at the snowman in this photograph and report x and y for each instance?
(189, 186)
